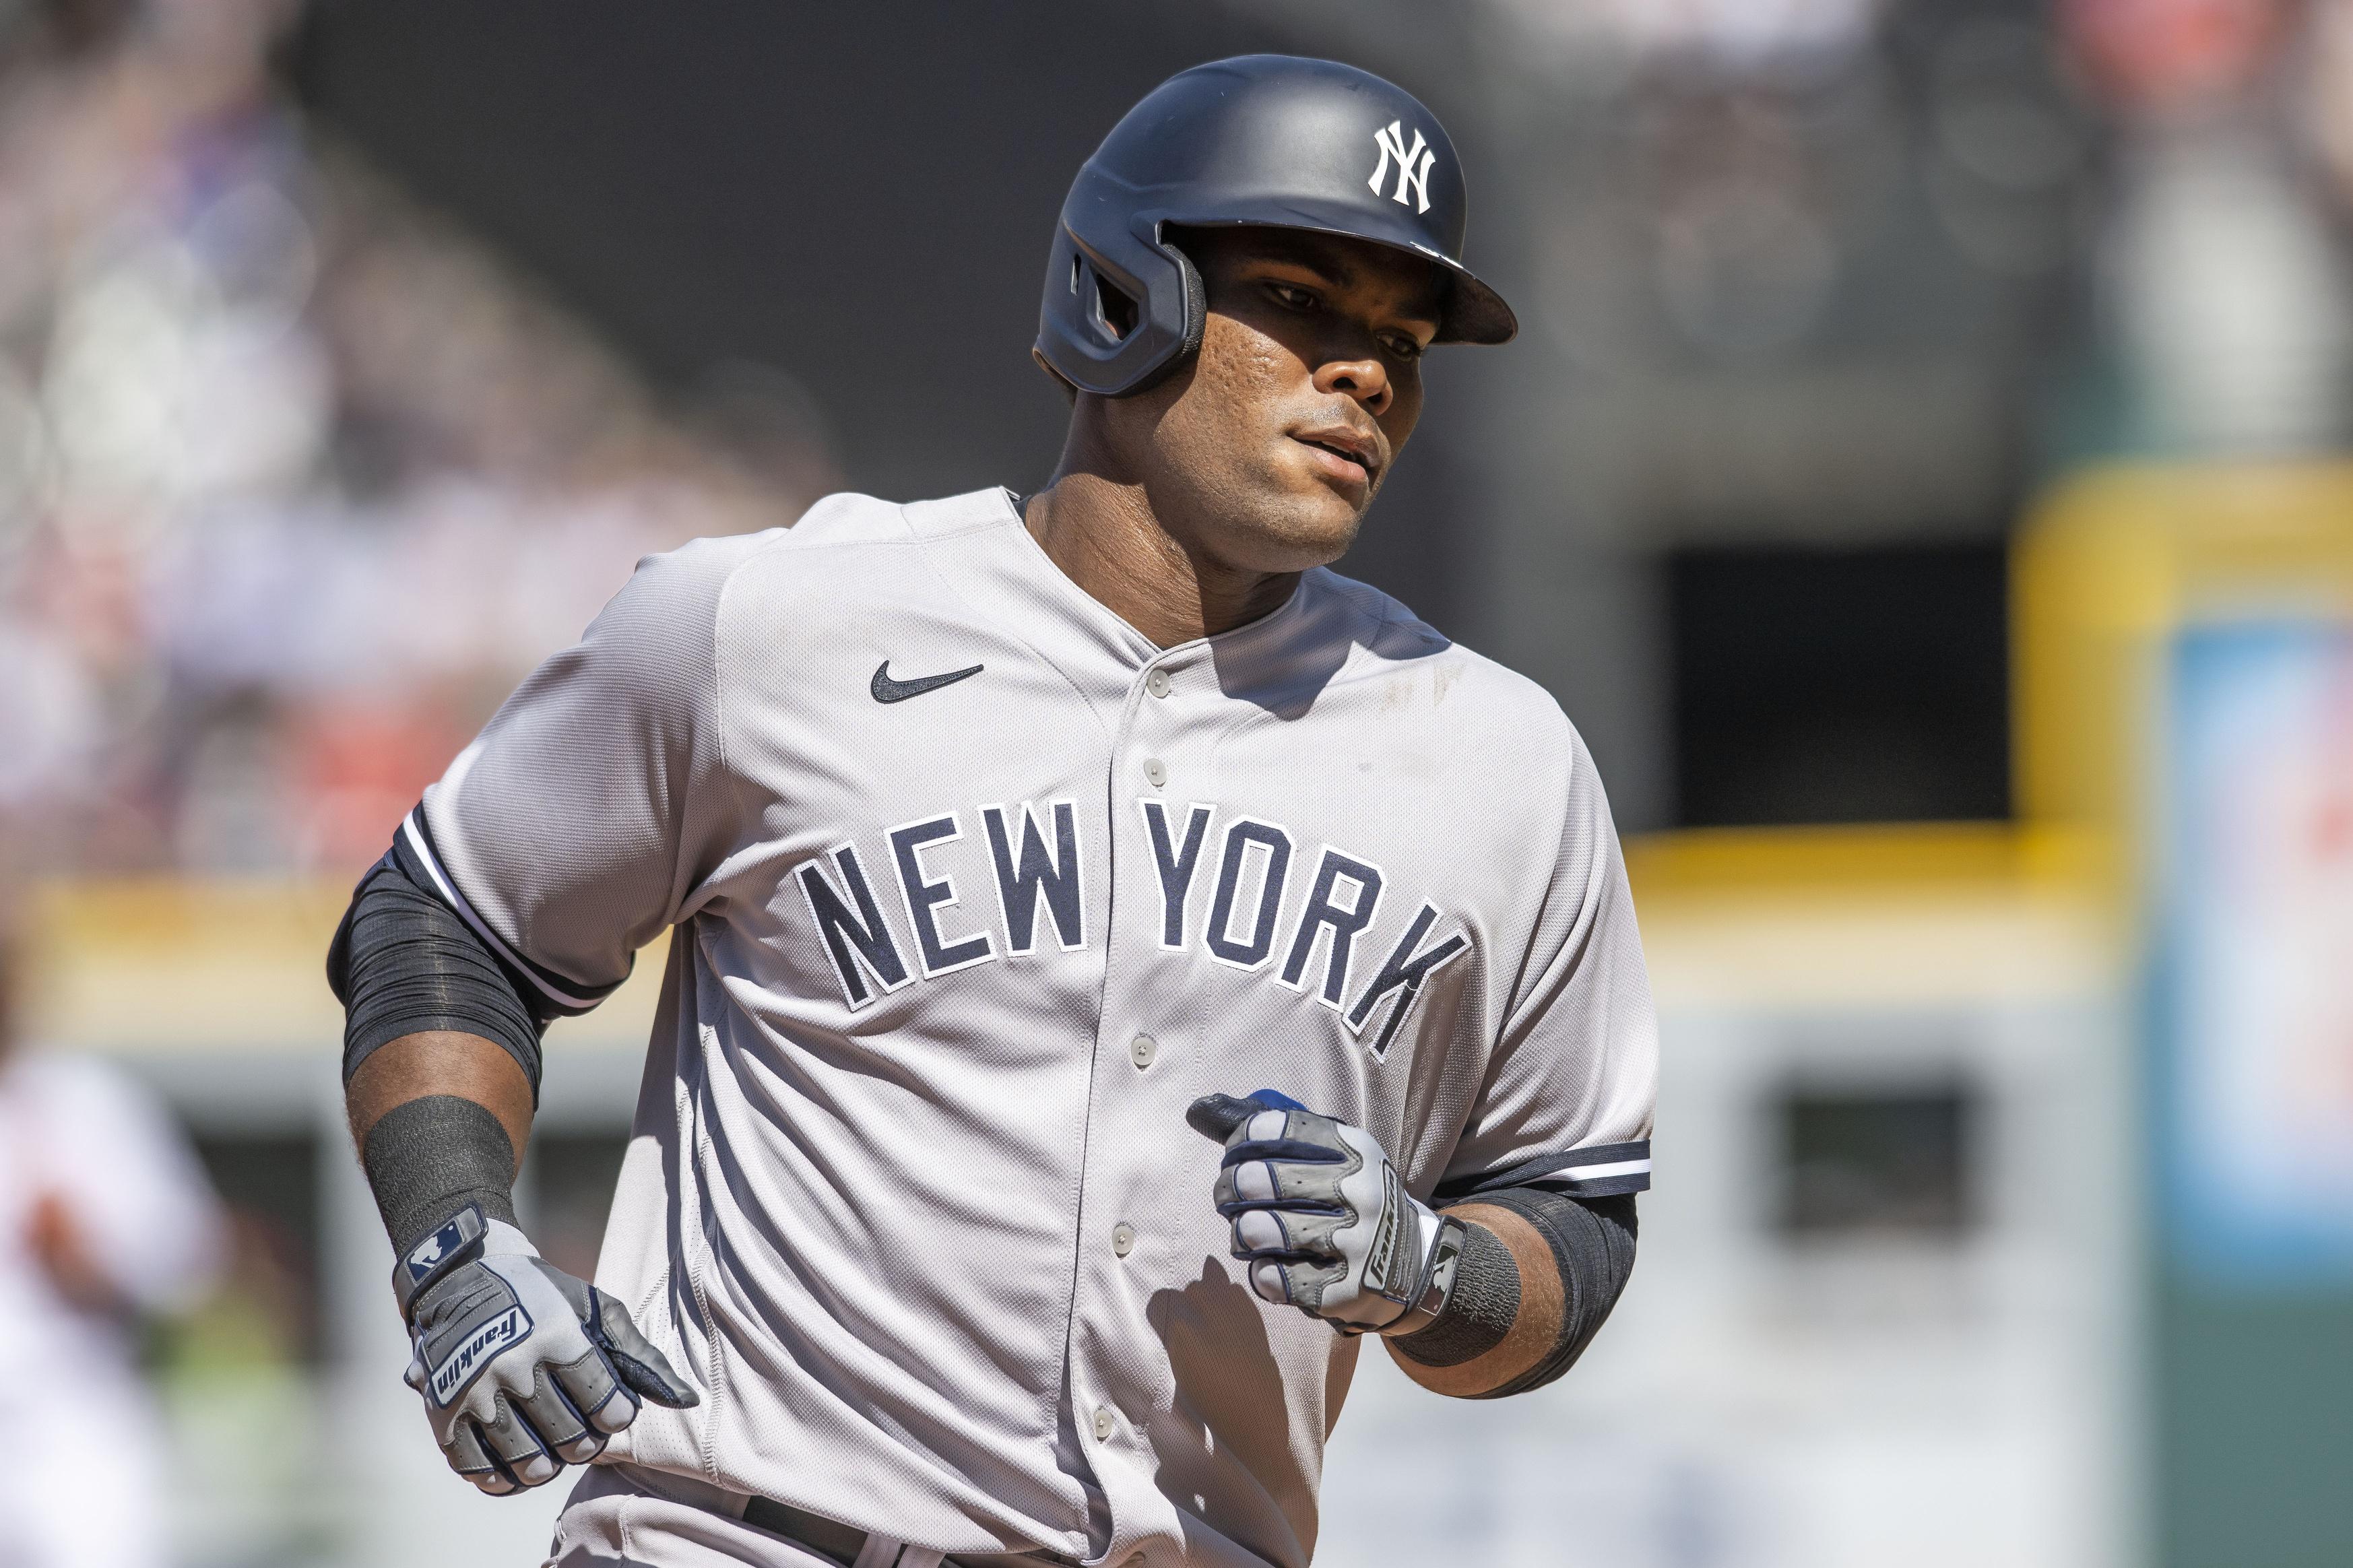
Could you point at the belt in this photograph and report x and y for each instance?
(850, 1546)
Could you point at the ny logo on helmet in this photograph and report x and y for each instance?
(1413, 167)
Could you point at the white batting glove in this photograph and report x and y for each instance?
(523, 1368)
(1319, 1214)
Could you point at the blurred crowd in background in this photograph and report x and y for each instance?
(297, 477)
(351, 354)
(296, 480)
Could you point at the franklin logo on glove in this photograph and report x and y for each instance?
(523, 1368)
(512, 1327)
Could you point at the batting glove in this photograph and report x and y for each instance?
(1322, 1219)
(523, 1368)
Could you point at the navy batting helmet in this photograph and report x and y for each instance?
(1267, 140)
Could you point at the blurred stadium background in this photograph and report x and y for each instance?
(1921, 478)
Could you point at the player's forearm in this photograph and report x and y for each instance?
(441, 1055)
(1504, 1314)
(524, 1369)
(439, 1061)
(440, 1120)
(1538, 1274)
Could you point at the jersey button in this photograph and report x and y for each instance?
(1157, 683)
(1103, 1424)
(1144, 1049)
(1122, 1239)
(1157, 771)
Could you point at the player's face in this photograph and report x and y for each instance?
(1277, 438)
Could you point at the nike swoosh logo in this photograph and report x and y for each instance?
(886, 689)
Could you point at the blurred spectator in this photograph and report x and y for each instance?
(106, 1220)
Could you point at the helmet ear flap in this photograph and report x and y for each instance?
(1197, 320)
(1122, 308)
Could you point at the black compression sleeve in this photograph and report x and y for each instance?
(403, 963)
(1592, 1243)
(428, 1158)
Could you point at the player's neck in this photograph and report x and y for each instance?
(1107, 538)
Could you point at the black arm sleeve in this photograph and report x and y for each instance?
(403, 962)
(1592, 1242)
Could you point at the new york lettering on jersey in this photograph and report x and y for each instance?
(1238, 905)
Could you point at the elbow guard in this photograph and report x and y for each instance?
(404, 962)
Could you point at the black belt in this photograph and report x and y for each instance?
(814, 1531)
(840, 1543)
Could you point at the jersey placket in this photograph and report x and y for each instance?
(1143, 1079)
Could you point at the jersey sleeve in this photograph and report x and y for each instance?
(579, 824)
(1567, 1100)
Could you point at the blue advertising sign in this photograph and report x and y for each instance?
(2252, 988)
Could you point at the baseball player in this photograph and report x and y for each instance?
(1117, 962)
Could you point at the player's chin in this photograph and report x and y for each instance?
(1293, 533)
(1309, 518)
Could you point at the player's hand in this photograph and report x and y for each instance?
(1321, 1218)
(523, 1368)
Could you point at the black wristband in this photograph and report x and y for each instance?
(426, 1159)
(1592, 1245)
(1480, 1311)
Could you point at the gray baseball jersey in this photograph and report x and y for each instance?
(975, 891)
